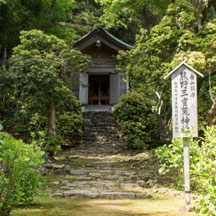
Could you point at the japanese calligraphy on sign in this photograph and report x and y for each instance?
(184, 101)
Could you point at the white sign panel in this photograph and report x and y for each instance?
(184, 103)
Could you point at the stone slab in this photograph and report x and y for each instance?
(79, 194)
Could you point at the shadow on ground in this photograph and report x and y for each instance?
(69, 207)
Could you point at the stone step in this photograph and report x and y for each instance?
(99, 143)
(101, 122)
(100, 134)
(100, 130)
(87, 194)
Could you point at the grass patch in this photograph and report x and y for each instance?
(160, 206)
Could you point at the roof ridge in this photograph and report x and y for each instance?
(103, 33)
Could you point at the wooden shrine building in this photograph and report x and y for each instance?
(102, 84)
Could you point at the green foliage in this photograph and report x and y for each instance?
(84, 16)
(20, 15)
(48, 143)
(70, 127)
(41, 67)
(154, 50)
(19, 179)
(7, 102)
(69, 120)
(124, 18)
(166, 45)
(171, 158)
(205, 168)
(207, 204)
(202, 159)
(137, 122)
(113, 10)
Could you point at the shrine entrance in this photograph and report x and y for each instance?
(98, 92)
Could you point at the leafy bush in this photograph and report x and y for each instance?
(171, 158)
(69, 122)
(49, 144)
(202, 166)
(205, 169)
(70, 128)
(136, 120)
(202, 159)
(19, 179)
(208, 203)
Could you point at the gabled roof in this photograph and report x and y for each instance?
(104, 36)
(186, 65)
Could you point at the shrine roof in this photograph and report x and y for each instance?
(100, 33)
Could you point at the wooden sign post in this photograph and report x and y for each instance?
(184, 112)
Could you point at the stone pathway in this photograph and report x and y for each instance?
(113, 177)
(101, 167)
(104, 177)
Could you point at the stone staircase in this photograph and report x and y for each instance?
(101, 167)
(113, 177)
(100, 134)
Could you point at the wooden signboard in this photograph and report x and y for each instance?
(184, 112)
(184, 101)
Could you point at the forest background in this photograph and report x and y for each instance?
(163, 34)
(37, 60)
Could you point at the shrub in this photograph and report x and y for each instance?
(70, 121)
(205, 168)
(70, 128)
(19, 179)
(208, 202)
(202, 166)
(49, 144)
(202, 159)
(136, 120)
(171, 158)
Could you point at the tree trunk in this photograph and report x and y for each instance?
(198, 7)
(52, 7)
(51, 119)
(199, 22)
(211, 114)
(166, 133)
(4, 59)
(5, 47)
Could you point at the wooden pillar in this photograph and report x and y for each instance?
(187, 170)
(83, 90)
(113, 89)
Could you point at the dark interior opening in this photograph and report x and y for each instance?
(98, 90)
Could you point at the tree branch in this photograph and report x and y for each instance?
(211, 113)
(200, 81)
